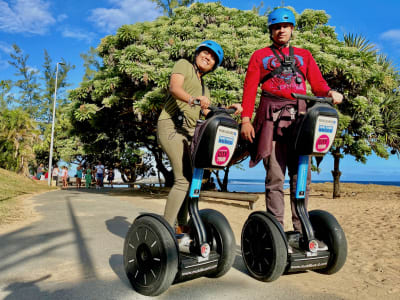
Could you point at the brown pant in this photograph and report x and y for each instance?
(176, 144)
(275, 165)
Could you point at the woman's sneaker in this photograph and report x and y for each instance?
(184, 242)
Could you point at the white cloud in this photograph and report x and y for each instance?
(61, 17)
(123, 12)
(6, 48)
(27, 16)
(77, 34)
(392, 35)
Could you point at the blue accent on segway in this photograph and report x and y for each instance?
(302, 177)
(195, 186)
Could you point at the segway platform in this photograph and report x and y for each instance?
(193, 266)
(300, 260)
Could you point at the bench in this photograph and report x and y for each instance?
(250, 198)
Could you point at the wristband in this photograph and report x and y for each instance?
(190, 101)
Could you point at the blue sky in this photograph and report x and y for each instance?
(68, 28)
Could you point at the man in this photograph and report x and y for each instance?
(99, 175)
(280, 70)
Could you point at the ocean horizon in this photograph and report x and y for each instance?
(258, 185)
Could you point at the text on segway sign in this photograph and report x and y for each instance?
(222, 155)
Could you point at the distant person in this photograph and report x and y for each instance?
(65, 177)
(99, 175)
(55, 174)
(79, 175)
(40, 171)
(88, 177)
(110, 177)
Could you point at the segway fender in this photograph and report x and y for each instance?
(164, 222)
(274, 221)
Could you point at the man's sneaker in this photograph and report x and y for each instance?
(322, 246)
(289, 249)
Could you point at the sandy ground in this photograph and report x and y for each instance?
(370, 218)
(368, 214)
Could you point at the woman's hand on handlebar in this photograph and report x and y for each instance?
(204, 102)
(247, 131)
(337, 97)
(238, 108)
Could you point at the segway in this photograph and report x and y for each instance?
(267, 250)
(152, 258)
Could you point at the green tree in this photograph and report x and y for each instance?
(18, 134)
(91, 63)
(169, 5)
(35, 95)
(119, 106)
(49, 81)
(5, 96)
(28, 87)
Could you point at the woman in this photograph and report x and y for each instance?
(88, 177)
(79, 175)
(65, 177)
(177, 122)
(55, 173)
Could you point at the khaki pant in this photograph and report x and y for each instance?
(176, 144)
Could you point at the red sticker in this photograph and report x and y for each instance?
(322, 143)
(222, 155)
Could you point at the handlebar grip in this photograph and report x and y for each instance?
(313, 98)
(216, 108)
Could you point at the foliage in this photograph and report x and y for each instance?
(29, 97)
(32, 96)
(91, 63)
(18, 134)
(119, 106)
(169, 5)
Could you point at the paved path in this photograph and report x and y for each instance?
(75, 252)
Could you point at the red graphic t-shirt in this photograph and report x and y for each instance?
(263, 61)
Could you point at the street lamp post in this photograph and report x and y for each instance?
(50, 172)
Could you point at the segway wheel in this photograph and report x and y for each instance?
(327, 229)
(221, 240)
(264, 250)
(150, 256)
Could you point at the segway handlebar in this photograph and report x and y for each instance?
(313, 98)
(229, 111)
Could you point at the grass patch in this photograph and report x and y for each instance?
(12, 186)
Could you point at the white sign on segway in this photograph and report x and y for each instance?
(325, 131)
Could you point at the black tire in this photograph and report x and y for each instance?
(264, 250)
(327, 229)
(220, 238)
(150, 256)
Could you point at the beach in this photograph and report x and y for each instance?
(370, 217)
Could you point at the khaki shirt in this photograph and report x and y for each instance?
(191, 85)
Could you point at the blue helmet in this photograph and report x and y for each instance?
(214, 47)
(281, 15)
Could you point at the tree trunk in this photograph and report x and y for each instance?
(168, 175)
(336, 174)
(224, 187)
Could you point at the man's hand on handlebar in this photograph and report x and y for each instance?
(337, 97)
(238, 108)
(247, 131)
